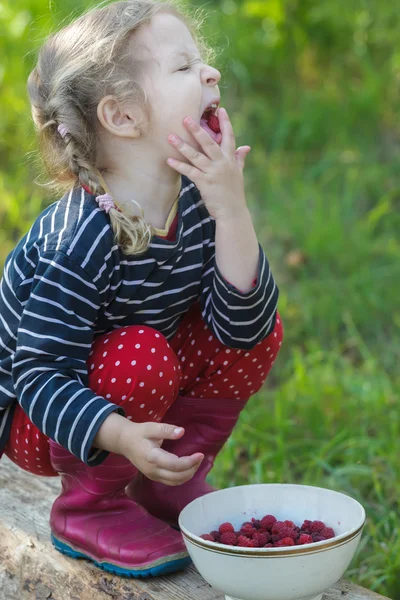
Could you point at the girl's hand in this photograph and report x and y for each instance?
(141, 443)
(218, 173)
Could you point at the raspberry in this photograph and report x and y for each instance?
(306, 526)
(216, 535)
(304, 539)
(290, 524)
(207, 536)
(317, 526)
(229, 538)
(278, 526)
(268, 546)
(287, 541)
(288, 532)
(262, 530)
(225, 527)
(244, 542)
(248, 530)
(327, 533)
(256, 523)
(213, 123)
(268, 521)
(261, 539)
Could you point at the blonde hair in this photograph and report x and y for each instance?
(76, 67)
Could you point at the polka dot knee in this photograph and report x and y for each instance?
(213, 370)
(136, 368)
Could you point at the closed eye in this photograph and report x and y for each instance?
(192, 62)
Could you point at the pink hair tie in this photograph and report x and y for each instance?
(62, 130)
(105, 202)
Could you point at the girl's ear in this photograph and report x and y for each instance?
(119, 119)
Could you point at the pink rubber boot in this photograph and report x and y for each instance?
(208, 423)
(93, 518)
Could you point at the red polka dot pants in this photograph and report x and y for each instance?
(138, 369)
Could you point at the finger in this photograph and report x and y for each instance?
(210, 148)
(228, 143)
(171, 478)
(198, 159)
(170, 462)
(191, 172)
(162, 431)
(241, 154)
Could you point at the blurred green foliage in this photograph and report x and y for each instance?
(313, 87)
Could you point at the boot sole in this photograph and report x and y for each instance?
(163, 569)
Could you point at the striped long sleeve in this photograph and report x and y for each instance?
(60, 306)
(237, 319)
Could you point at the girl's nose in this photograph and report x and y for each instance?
(210, 76)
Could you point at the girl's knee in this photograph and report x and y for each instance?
(130, 360)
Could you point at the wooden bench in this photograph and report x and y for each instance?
(30, 568)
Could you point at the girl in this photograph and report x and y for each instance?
(119, 333)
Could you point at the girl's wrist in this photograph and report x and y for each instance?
(233, 218)
(113, 434)
(128, 432)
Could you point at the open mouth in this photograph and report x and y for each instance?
(210, 123)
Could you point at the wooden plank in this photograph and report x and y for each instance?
(31, 569)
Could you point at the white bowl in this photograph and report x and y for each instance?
(289, 573)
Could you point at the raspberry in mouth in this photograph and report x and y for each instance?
(210, 122)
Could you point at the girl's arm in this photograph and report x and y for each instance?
(237, 250)
(54, 338)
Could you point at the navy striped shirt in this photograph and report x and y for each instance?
(67, 281)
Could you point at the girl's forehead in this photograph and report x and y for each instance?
(165, 37)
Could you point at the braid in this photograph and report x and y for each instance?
(81, 167)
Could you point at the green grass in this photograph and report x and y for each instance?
(313, 87)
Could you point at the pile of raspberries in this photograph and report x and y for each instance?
(268, 532)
